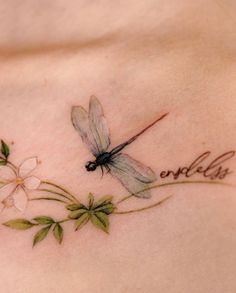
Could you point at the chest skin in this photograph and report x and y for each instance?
(175, 56)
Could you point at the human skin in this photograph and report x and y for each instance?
(141, 59)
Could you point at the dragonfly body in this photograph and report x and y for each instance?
(105, 158)
(101, 160)
(93, 130)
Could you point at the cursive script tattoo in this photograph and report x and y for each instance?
(20, 187)
(213, 170)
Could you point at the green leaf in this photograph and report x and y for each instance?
(90, 200)
(76, 214)
(3, 163)
(102, 201)
(100, 220)
(58, 232)
(41, 234)
(5, 149)
(74, 206)
(82, 221)
(107, 208)
(20, 224)
(44, 220)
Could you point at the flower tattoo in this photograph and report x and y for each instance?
(19, 186)
(17, 182)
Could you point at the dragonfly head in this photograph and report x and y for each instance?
(91, 166)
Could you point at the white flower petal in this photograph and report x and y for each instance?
(32, 182)
(2, 207)
(6, 190)
(27, 166)
(6, 173)
(8, 202)
(20, 199)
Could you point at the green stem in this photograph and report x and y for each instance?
(55, 192)
(142, 209)
(174, 183)
(61, 188)
(3, 182)
(48, 198)
(12, 166)
(65, 220)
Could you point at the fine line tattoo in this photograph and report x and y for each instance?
(94, 132)
(97, 212)
(19, 187)
(213, 170)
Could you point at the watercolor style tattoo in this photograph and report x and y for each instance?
(18, 185)
(94, 132)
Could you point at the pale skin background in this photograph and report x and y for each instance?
(141, 58)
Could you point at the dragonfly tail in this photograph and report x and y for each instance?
(121, 146)
(146, 128)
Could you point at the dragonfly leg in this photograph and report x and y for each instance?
(107, 168)
(102, 170)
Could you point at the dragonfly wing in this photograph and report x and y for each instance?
(135, 176)
(98, 125)
(79, 117)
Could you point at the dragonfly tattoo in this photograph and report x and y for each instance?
(92, 127)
